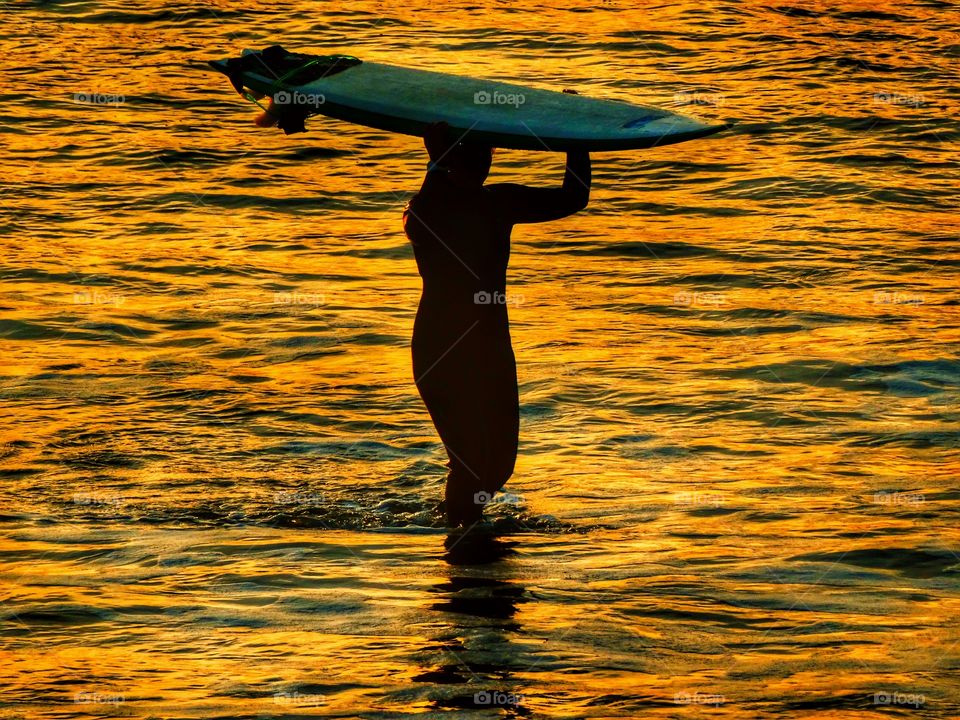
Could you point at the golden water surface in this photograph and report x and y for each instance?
(737, 487)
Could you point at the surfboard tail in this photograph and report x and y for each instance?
(283, 69)
(279, 71)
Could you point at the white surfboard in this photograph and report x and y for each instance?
(406, 100)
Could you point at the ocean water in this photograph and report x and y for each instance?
(737, 490)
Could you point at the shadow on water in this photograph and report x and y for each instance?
(478, 604)
(473, 547)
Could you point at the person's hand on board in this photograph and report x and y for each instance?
(578, 158)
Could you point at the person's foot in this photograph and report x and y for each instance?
(463, 509)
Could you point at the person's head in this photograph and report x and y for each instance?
(470, 162)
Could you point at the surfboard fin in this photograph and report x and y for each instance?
(291, 120)
(284, 69)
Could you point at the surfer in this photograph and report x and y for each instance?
(463, 362)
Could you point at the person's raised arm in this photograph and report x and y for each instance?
(576, 179)
(522, 204)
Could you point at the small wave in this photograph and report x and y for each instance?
(927, 377)
(52, 614)
(179, 15)
(908, 562)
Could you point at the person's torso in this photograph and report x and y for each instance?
(461, 244)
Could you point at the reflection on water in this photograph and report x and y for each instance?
(479, 612)
(737, 483)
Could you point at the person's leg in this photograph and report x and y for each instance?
(501, 418)
(476, 413)
(455, 412)
(469, 386)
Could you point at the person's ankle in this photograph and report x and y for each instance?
(463, 511)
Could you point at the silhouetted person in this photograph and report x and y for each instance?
(463, 362)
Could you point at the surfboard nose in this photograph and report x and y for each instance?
(681, 127)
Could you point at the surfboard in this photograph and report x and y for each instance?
(407, 100)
